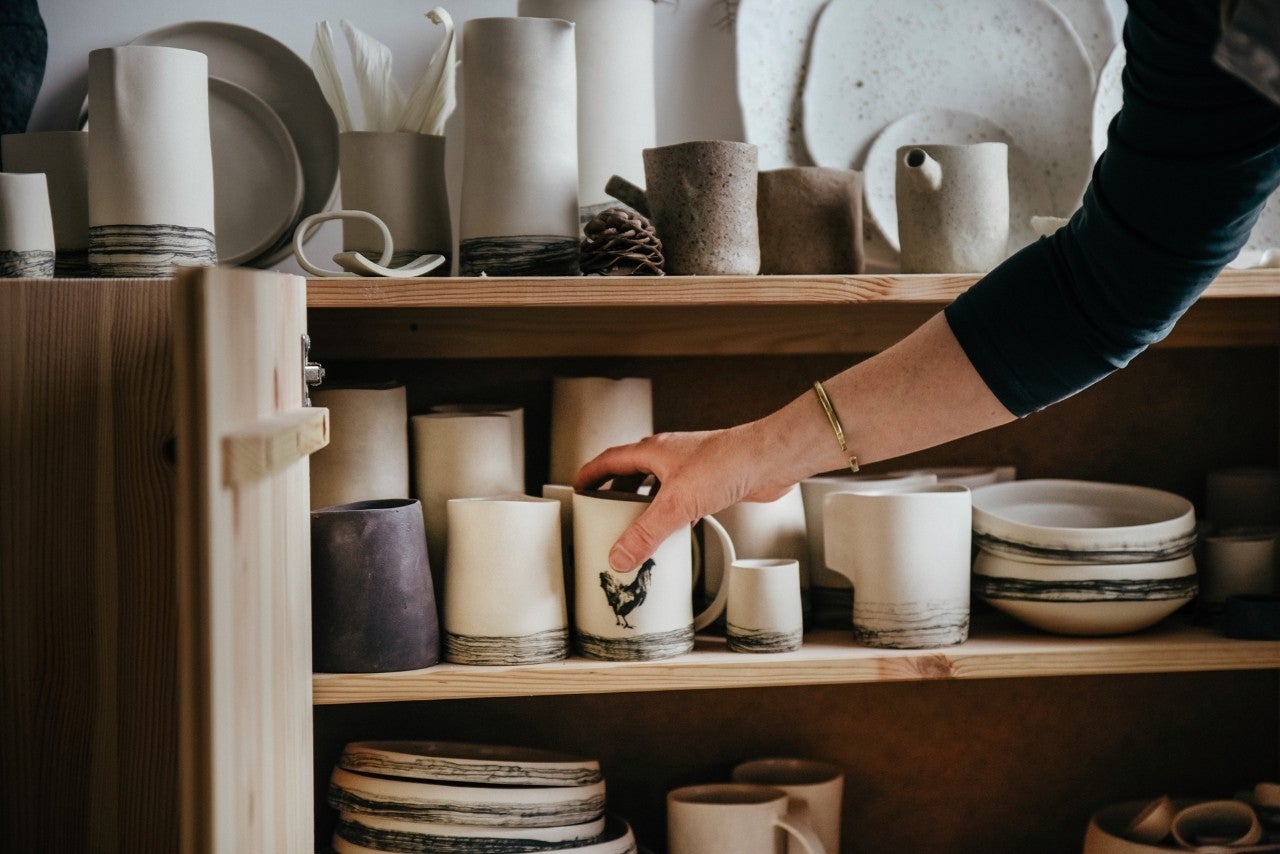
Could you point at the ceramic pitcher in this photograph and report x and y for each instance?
(953, 207)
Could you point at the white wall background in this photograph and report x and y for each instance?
(694, 57)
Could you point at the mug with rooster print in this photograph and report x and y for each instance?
(643, 614)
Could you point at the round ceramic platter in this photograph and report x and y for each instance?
(869, 62)
(257, 178)
(455, 762)
(1095, 24)
(616, 839)
(1075, 521)
(500, 806)
(393, 834)
(1029, 192)
(267, 68)
(1107, 99)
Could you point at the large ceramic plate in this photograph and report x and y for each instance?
(257, 178)
(616, 839)
(267, 68)
(394, 834)
(1029, 192)
(457, 762)
(1095, 24)
(1021, 65)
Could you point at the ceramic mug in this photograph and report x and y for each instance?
(953, 207)
(818, 785)
(740, 818)
(26, 227)
(504, 599)
(760, 598)
(907, 555)
(643, 614)
(63, 157)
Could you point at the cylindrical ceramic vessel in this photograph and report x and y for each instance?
(150, 161)
(702, 200)
(810, 221)
(372, 600)
(63, 157)
(519, 212)
(368, 452)
(761, 529)
(818, 785)
(745, 818)
(763, 612)
(399, 178)
(614, 42)
(459, 455)
(953, 207)
(504, 598)
(26, 227)
(590, 414)
(515, 420)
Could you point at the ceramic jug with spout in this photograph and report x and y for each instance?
(953, 207)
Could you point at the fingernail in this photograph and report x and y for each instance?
(620, 560)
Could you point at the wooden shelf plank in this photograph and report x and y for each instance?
(600, 291)
(828, 657)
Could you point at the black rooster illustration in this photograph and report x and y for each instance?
(625, 598)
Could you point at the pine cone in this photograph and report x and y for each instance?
(621, 242)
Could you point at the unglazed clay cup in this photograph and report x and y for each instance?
(810, 221)
(702, 200)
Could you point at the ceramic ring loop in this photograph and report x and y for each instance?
(305, 227)
(1216, 817)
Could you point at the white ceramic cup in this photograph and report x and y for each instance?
(515, 420)
(590, 414)
(26, 227)
(1218, 823)
(818, 785)
(1243, 497)
(907, 554)
(367, 457)
(761, 529)
(643, 614)
(1240, 561)
(504, 600)
(63, 157)
(760, 598)
(737, 818)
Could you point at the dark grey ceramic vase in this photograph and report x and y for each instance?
(373, 607)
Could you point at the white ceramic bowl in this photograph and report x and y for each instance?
(1076, 521)
(384, 833)
(1085, 599)
(616, 839)
(500, 806)
(457, 762)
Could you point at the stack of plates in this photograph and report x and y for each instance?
(1083, 558)
(447, 796)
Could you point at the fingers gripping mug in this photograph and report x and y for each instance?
(643, 614)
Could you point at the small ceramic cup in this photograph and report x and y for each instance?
(739, 817)
(761, 529)
(816, 784)
(504, 599)
(761, 601)
(63, 156)
(26, 227)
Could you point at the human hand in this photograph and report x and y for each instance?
(698, 473)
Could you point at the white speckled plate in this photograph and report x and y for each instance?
(771, 46)
(1029, 193)
(1021, 65)
(1107, 99)
(1096, 26)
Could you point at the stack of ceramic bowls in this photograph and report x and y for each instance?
(1083, 558)
(448, 796)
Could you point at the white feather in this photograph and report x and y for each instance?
(324, 63)
(435, 97)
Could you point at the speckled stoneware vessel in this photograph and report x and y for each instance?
(810, 221)
(702, 197)
(953, 207)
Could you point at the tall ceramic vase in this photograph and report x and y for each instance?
(63, 156)
(520, 160)
(614, 42)
(150, 161)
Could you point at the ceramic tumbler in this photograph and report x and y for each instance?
(643, 614)
(761, 602)
(744, 818)
(63, 157)
(590, 414)
(702, 200)
(953, 207)
(27, 244)
(504, 597)
(150, 161)
(907, 555)
(368, 452)
(818, 785)
(810, 221)
(1238, 562)
(372, 599)
(612, 131)
(399, 178)
(515, 420)
(459, 455)
(519, 213)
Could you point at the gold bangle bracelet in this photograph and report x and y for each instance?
(835, 422)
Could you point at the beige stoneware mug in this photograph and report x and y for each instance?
(737, 818)
(818, 785)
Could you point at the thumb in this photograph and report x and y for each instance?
(643, 536)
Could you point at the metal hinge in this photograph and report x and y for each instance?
(312, 372)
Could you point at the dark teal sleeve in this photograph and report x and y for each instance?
(1191, 159)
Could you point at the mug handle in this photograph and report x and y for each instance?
(304, 229)
(798, 823)
(717, 606)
